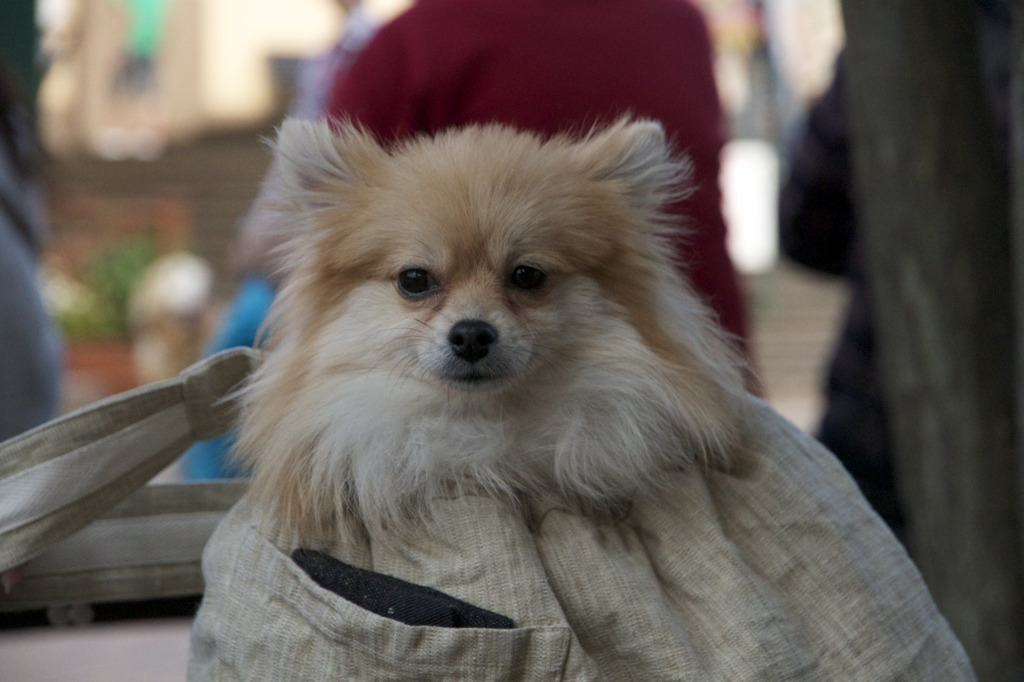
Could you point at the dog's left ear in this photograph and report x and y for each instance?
(635, 156)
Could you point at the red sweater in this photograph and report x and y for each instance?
(554, 66)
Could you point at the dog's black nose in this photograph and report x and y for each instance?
(471, 339)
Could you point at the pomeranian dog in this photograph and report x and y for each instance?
(480, 312)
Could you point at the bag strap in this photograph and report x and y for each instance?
(65, 475)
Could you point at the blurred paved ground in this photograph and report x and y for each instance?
(154, 651)
(796, 315)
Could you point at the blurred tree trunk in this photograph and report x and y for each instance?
(1016, 114)
(932, 190)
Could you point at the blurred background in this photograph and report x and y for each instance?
(152, 116)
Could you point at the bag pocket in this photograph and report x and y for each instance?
(305, 631)
(393, 598)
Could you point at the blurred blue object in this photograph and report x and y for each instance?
(239, 326)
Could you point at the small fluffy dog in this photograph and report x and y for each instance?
(483, 311)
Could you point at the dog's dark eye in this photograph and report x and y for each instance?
(416, 282)
(525, 277)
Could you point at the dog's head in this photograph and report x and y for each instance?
(451, 299)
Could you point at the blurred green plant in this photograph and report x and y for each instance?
(97, 306)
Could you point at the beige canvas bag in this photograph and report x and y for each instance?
(774, 570)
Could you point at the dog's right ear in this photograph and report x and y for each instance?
(318, 158)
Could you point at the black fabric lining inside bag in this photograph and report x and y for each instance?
(394, 598)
